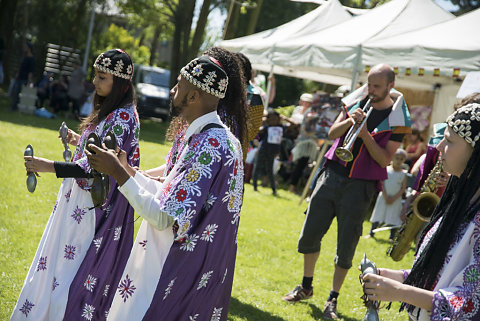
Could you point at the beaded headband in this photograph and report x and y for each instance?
(116, 62)
(465, 122)
(207, 74)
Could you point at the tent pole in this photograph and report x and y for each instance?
(269, 87)
(89, 37)
(355, 69)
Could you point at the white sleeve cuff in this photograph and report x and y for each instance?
(145, 204)
(150, 185)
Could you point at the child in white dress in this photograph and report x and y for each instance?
(389, 202)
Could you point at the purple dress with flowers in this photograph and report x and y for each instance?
(457, 288)
(83, 250)
(204, 197)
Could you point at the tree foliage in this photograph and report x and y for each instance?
(118, 37)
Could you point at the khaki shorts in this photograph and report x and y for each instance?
(348, 199)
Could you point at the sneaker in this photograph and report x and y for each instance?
(330, 310)
(297, 294)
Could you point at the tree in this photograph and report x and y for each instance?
(118, 37)
(151, 19)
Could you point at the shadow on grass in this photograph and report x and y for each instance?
(150, 130)
(317, 313)
(249, 312)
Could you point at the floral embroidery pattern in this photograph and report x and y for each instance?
(78, 214)
(117, 233)
(181, 195)
(169, 288)
(126, 288)
(192, 175)
(224, 275)
(214, 142)
(105, 290)
(189, 243)
(118, 130)
(88, 311)
(54, 283)
(204, 280)
(69, 252)
(210, 201)
(42, 264)
(90, 282)
(67, 196)
(217, 314)
(27, 307)
(209, 232)
(205, 158)
(460, 300)
(98, 243)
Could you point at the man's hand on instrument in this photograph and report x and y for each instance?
(104, 161)
(358, 116)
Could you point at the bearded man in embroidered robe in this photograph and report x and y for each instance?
(182, 263)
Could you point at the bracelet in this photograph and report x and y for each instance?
(405, 274)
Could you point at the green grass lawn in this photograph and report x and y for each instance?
(267, 267)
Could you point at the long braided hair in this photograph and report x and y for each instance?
(232, 109)
(454, 210)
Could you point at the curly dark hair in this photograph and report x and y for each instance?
(247, 66)
(122, 94)
(233, 108)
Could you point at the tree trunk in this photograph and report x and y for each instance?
(142, 38)
(232, 22)
(153, 49)
(252, 22)
(200, 29)
(80, 14)
(8, 10)
(187, 26)
(176, 44)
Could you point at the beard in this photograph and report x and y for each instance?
(376, 99)
(177, 110)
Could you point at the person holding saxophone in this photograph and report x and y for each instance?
(444, 280)
(353, 180)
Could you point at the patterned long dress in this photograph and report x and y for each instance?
(204, 198)
(83, 250)
(457, 290)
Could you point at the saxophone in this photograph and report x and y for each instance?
(420, 213)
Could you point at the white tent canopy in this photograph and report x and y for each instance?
(448, 45)
(260, 47)
(338, 50)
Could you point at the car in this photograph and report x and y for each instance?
(152, 90)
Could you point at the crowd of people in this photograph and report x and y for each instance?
(181, 264)
(60, 92)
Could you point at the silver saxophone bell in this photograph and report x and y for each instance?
(63, 131)
(367, 266)
(31, 179)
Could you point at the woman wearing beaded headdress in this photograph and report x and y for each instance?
(83, 250)
(444, 281)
